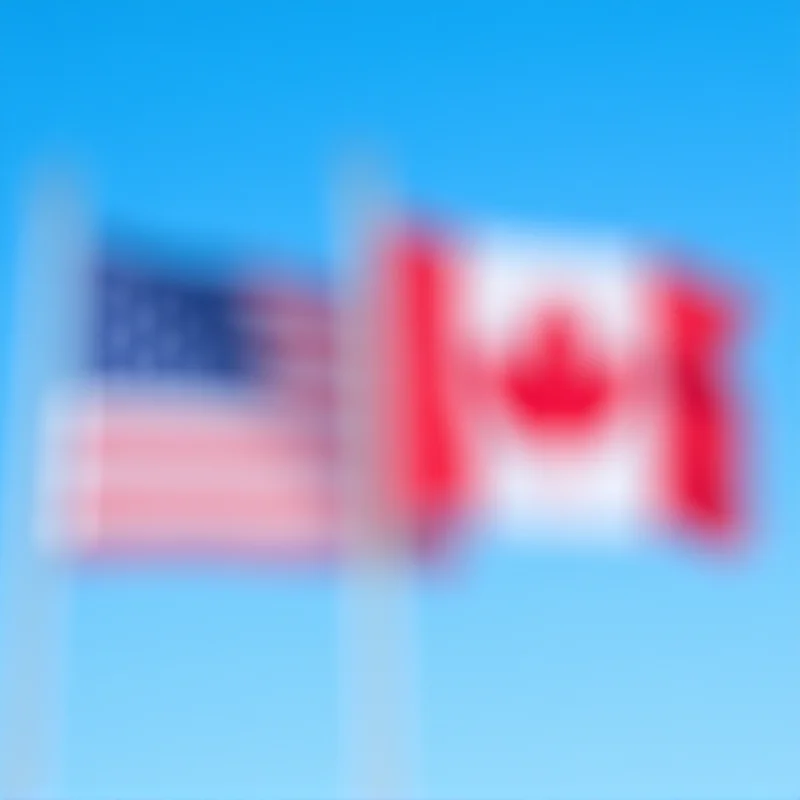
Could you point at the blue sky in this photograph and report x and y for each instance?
(654, 674)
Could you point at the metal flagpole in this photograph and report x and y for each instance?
(377, 624)
(32, 585)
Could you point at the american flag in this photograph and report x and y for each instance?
(203, 422)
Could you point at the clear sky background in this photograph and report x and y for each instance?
(571, 676)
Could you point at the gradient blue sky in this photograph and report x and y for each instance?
(639, 676)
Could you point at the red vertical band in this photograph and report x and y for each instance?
(705, 439)
(421, 459)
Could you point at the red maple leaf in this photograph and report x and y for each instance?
(554, 380)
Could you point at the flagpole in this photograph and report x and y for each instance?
(34, 589)
(377, 624)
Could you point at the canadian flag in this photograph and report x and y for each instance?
(557, 386)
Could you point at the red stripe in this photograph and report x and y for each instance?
(217, 508)
(705, 450)
(139, 470)
(150, 437)
(420, 452)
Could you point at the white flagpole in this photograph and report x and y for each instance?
(377, 626)
(33, 586)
